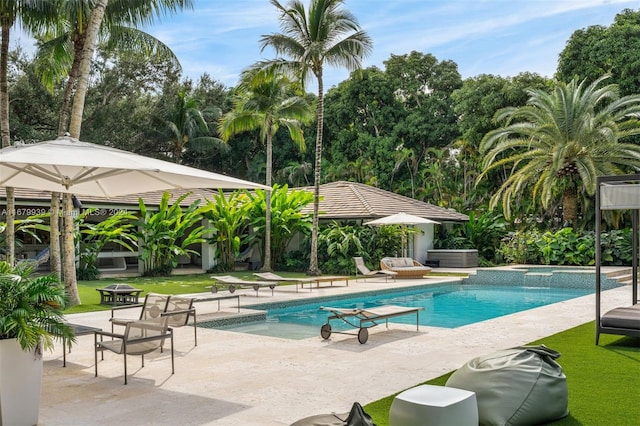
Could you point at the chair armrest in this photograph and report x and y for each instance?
(180, 312)
(108, 334)
(122, 321)
(118, 308)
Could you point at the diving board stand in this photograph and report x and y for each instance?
(363, 319)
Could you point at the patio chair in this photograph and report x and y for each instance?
(139, 338)
(366, 272)
(154, 306)
(179, 310)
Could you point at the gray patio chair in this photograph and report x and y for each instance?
(139, 338)
(366, 272)
(179, 310)
(154, 306)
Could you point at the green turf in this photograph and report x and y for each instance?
(603, 381)
(175, 284)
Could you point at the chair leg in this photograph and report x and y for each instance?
(172, 363)
(195, 330)
(95, 353)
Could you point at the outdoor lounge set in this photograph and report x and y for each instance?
(405, 267)
(158, 315)
(618, 193)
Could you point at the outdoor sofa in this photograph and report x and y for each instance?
(405, 267)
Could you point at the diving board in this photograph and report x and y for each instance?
(363, 319)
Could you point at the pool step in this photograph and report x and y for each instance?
(619, 272)
(625, 279)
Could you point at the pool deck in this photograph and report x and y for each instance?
(242, 379)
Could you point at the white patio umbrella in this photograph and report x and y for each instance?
(68, 165)
(401, 219)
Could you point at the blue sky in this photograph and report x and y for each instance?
(500, 37)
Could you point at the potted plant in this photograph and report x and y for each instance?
(30, 319)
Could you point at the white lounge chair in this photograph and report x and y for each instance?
(366, 272)
(234, 282)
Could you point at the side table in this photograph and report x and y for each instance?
(78, 330)
(429, 405)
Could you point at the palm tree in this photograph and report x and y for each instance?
(264, 101)
(68, 242)
(69, 53)
(59, 55)
(33, 15)
(325, 33)
(190, 124)
(561, 141)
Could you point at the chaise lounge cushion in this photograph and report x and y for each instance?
(406, 267)
(625, 317)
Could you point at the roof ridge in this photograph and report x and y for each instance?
(356, 190)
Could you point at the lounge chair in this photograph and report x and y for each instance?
(234, 282)
(365, 318)
(406, 267)
(270, 276)
(366, 272)
(139, 338)
(154, 306)
(179, 310)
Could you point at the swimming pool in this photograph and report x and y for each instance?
(447, 306)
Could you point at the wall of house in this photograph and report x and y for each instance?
(423, 242)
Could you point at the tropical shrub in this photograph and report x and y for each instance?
(295, 260)
(27, 226)
(566, 247)
(31, 307)
(92, 237)
(287, 219)
(229, 217)
(483, 233)
(520, 247)
(339, 243)
(616, 247)
(166, 234)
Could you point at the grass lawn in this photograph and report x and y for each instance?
(603, 381)
(175, 284)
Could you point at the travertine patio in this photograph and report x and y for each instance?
(241, 379)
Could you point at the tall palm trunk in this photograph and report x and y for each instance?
(65, 110)
(63, 125)
(6, 135)
(267, 223)
(68, 244)
(69, 251)
(54, 236)
(570, 206)
(313, 261)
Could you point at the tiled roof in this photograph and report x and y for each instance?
(351, 200)
(341, 200)
(25, 196)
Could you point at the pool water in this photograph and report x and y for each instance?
(447, 306)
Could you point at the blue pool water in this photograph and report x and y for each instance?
(446, 306)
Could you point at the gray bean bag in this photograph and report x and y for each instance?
(519, 386)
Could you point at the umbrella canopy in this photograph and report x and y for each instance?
(400, 219)
(82, 168)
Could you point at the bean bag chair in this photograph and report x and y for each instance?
(518, 386)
